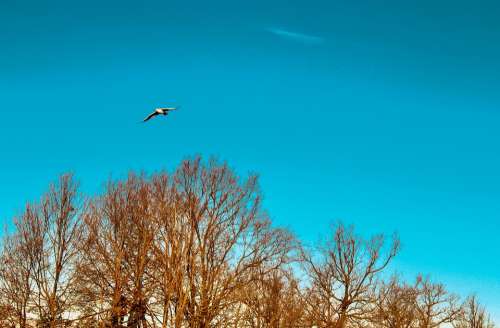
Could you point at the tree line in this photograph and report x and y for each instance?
(194, 248)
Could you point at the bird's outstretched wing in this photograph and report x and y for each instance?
(167, 109)
(153, 114)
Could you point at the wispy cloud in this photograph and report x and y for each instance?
(304, 38)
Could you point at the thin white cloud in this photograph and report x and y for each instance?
(304, 38)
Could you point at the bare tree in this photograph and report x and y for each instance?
(394, 305)
(57, 229)
(273, 301)
(194, 249)
(435, 305)
(170, 250)
(15, 281)
(39, 259)
(474, 315)
(117, 253)
(176, 248)
(219, 236)
(344, 275)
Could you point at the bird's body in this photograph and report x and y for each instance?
(160, 111)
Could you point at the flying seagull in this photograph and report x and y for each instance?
(160, 111)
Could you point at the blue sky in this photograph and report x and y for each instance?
(382, 114)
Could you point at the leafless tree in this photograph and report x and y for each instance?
(275, 300)
(117, 252)
(343, 274)
(194, 249)
(37, 277)
(435, 305)
(57, 230)
(394, 305)
(474, 315)
(15, 281)
(219, 236)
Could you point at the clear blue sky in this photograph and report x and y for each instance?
(384, 116)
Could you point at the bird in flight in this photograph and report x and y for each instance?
(160, 111)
